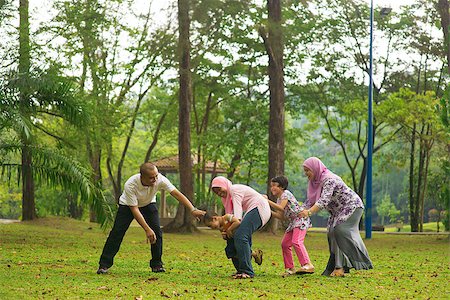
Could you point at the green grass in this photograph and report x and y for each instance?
(56, 258)
(427, 227)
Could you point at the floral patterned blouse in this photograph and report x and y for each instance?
(291, 211)
(340, 201)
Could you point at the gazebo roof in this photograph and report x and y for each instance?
(170, 165)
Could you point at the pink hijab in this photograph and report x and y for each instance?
(223, 182)
(320, 174)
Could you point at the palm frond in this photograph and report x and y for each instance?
(55, 168)
(60, 95)
(42, 92)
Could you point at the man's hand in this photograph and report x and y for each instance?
(151, 237)
(197, 213)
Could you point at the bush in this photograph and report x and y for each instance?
(10, 202)
(433, 215)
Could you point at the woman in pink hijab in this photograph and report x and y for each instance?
(253, 210)
(328, 191)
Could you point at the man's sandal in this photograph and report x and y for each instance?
(242, 276)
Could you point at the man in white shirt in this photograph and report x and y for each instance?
(138, 201)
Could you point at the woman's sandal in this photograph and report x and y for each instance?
(337, 274)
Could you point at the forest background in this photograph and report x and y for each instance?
(90, 89)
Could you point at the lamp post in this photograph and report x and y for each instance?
(368, 217)
(368, 224)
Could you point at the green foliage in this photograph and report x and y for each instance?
(58, 257)
(387, 209)
(440, 185)
(10, 202)
(51, 202)
(27, 118)
(116, 57)
(53, 167)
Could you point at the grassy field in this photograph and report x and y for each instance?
(56, 258)
(427, 227)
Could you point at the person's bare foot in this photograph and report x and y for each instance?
(337, 273)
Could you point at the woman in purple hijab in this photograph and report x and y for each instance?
(328, 191)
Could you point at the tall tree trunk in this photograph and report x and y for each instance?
(95, 158)
(428, 144)
(183, 221)
(28, 202)
(412, 201)
(420, 176)
(443, 9)
(155, 136)
(273, 42)
(73, 206)
(233, 165)
(274, 48)
(362, 179)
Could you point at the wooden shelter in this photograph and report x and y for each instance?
(170, 165)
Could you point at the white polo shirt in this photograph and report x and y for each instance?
(135, 194)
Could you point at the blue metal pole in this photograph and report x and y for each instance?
(370, 135)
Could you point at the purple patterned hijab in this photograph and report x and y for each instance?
(320, 174)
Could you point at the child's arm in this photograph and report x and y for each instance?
(234, 224)
(279, 207)
(278, 215)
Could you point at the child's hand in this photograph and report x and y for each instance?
(229, 233)
(224, 235)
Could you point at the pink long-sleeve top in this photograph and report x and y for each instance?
(245, 199)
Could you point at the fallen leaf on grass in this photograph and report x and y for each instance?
(139, 298)
(262, 295)
(163, 294)
(103, 288)
(152, 279)
(57, 266)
